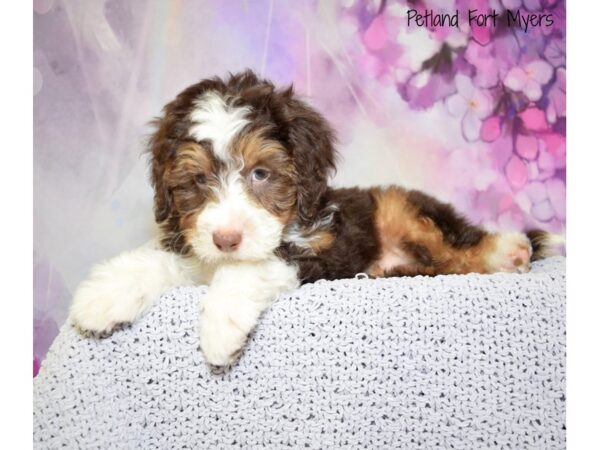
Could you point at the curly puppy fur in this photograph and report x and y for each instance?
(240, 171)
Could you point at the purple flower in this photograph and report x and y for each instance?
(527, 146)
(557, 96)
(491, 129)
(531, 5)
(471, 104)
(556, 52)
(486, 65)
(516, 172)
(547, 199)
(529, 79)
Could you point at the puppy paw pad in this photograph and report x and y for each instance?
(511, 254)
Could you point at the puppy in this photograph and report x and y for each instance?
(240, 172)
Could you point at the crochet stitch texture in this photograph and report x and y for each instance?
(452, 362)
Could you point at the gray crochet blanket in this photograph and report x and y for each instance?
(455, 362)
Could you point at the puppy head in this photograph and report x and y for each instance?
(233, 163)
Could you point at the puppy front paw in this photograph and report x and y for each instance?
(101, 305)
(512, 253)
(223, 333)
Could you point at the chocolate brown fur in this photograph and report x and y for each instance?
(456, 230)
(277, 116)
(372, 222)
(355, 246)
(329, 233)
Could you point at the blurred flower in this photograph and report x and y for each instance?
(527, 146)
(507, 90)
(491, 129)
(555, 52)
(375, 37)
(471, 104)
(556, 191)
(424, 89)
(516, 172)
(547, 199)
(418, 46)
(557, 97)
(486, 64)
(529, 79)
(554, 143)
(533, 119)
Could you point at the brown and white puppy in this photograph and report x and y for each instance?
(240, 174)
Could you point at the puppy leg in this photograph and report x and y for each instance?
(237, 295)
(123, 288)
(432, 238)
(501, 252)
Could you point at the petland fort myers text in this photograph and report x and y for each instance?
(474, 17)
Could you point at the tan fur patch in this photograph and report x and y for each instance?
(399, 227)
(192, 160)
(256, 150)
(278, 194)
(188, 179)
(321, 240)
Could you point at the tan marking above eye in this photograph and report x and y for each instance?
(192, 151)
(191, 161)
(257, 150)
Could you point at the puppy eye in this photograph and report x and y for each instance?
(260, 175)
(200, 178)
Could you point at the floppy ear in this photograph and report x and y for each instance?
(160, 148)
(312, 143)
(171, 129)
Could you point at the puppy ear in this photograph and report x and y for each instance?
(312, 143)
(171, 129)
(160, 148)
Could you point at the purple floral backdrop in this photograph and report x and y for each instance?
(474, 115)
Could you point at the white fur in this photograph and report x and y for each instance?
(238, 294)
(123, 288)
(391, 258)
(554, 240)
(303, 237)
(218, 122)
(510, 246)
(233, 209)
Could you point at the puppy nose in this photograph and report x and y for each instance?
(227, 240)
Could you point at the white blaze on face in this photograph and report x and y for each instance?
(214, 120)
(234, 211)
